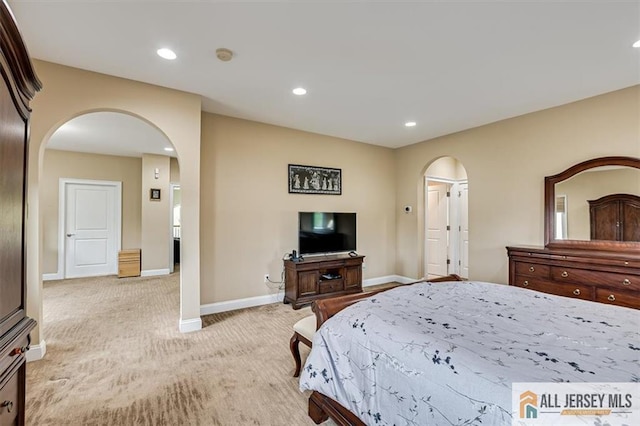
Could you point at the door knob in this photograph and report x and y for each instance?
(70, 235)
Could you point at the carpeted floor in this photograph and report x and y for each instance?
(115, 357)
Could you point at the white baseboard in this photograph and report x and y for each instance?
(53, 276)
(187, 326)
(387, 279)
(232, 305)
(154, 272)
(37, 352)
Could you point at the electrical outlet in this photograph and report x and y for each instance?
(266, 278)
(364, 265)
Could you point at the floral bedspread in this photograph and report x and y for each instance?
(447, 353)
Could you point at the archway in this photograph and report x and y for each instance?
(177, 118)
(85, 223)
(445, 242)
(87, 155)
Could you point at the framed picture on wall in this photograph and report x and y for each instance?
(314, 180)
(154, 194)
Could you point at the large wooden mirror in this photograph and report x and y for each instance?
(594, 204)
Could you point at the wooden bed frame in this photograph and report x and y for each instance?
(321, 407)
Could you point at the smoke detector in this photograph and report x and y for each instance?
(224, 55)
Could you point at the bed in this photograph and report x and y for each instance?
(448, 353)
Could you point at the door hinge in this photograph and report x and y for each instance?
(448, 194)
(448, 228)
(459, 194)
(448, 261)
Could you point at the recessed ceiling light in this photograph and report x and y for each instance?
(166, 53)
(299, 91)
(169, 149)
(636, 44)
(410, 123)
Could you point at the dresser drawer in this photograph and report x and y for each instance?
(14, 354)
(329, 286)
(327, 266)
(128, 269)
(10, 401)
(13, 346)
(569, 290)
(532, 269)
(599, 278)
(614, 297)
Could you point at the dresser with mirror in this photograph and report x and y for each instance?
(592, 235)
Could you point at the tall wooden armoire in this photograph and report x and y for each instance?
(615, 217)
(19, 85)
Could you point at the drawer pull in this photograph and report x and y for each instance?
(532, 269)
(611, 298)
(564, 274)
(8, 405)
(18, 351)
(576, 292)
(525, 283)
(626, 281)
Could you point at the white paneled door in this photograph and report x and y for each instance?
(436, 228)
(91, 228)
(464, 230)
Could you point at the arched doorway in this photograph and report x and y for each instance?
(72, 92)
(97, 168)
(446, 219)
(189, 319)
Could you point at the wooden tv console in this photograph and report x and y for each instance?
(320, 277)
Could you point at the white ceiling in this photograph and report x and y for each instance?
(368, 66)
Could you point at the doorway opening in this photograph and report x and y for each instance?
(446, 237)
(98, 171)
(174, 249)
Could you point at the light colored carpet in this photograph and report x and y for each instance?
(115, 357)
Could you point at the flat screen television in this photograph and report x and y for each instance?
(326, 232)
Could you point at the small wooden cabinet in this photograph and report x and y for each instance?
(129, 263)
(320, 277)
(606, 277)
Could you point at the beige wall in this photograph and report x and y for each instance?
(75, 165)
(249, 220)
(506, 163)
(591, 185)
(156, 219)
(69, 92)
(447, 168)
(175, 171)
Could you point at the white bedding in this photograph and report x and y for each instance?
(447, 353)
